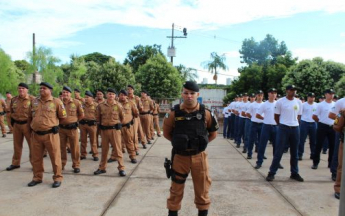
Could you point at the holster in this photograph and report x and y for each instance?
(167, 166)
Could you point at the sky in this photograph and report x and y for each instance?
(310, 28)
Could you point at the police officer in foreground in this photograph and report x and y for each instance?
(189, 127)
(46, 112)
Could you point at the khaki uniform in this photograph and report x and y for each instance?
(80, 99)
(130, 112)
(88, 126)
(8, 114)
(109, 115)
(98, 130)
(45, 115)
(146, 117)
(20, 112)
(196, 164)
(156, 119)
(2, 114)
(139, 133)
(74, 111)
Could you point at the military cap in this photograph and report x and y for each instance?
(311, 94)
(24, 85)
(123, 92)
(291, 87)
(77, 90)
(66, 88)
(272, 90)
(46, 85)
(237, 96)
(130, 86)
(240, 95)
(259, 92)
(99, 90)
(191, 86)
(143, 91)
(336, 97)
(296, 95)
(245, 94)
(252, 95)
(111, 90)
(329, 91)
(60, 93)
(279, 95)
(88, 93)
(8, 92)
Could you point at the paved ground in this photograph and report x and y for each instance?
(237, 188)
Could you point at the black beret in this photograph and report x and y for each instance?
(144, 91)
(191, 86)
(259, 92)
(111, 90)
(46, 85)
(311, 94)
(99, 90)
(123, 92)
(130, 86)
(88, 93)
(60, 93)
(329, 91)
(245, 94)
(66, 88)
(272, 90)
(77, 90)
(8, 92)
(252, 95)
(23, 85)
(291, 87)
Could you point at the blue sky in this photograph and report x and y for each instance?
(309, 28)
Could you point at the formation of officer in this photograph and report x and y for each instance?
(189, 127)
(145, 116)
(2, 117)
(8, 114)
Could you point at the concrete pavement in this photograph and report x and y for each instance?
(237, 188)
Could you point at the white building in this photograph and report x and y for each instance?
(204, 81)
(228, 81)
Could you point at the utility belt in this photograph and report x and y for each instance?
(69, 126)
(2, 113)
(145, 113)
(17, 122)
(117, 127)
(54, 130)
(88, 122)
(128, 125)
(184, 145)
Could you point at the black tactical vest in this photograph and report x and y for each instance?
(190, 132)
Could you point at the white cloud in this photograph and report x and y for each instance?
(56, 21)
(342, 34)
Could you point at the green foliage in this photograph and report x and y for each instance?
(9, 73)
(267, 50)
(74, 74)
(97, 57)
(217, 62)
(22, 65)
(140, 54)
(336, 70)
(160, 78)
(309, 76)
(187, 74)
(111, 74)
(339, 87)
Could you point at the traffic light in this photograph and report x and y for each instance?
(184, 31)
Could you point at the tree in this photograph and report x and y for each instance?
(22, 65)
(160, 78)
(187, 74)
(309, 76)
(140, 54)
(9, 73)
(339, 87)
(97, 57)
(267, 50)
(217, 62)
(111, 74)
(74, 74)
(336, 70)
(46, 64)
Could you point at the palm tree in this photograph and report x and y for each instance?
(187, 74)
(213, 66)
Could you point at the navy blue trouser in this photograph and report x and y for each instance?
(233, 126)
(307, 129)
(268, 132)
(229, 127)
(324, 132)
(255, 133)
(240, 132)
(225, 126)
(334, 164)
(247, 128)
(290, 135)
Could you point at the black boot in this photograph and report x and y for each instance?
(172, 213)
(203, 212)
